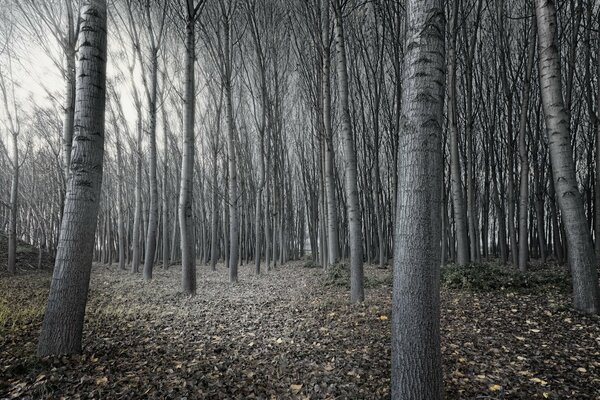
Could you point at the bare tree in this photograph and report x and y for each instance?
(351, 183)
(586, 295)
(63, 321)
(416, 352)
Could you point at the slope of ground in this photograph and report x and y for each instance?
(27, 256)
(288, 334)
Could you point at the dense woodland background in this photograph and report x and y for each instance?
(262, 132)
(284, 161)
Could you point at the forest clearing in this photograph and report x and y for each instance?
(292, 334)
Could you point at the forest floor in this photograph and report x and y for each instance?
(288, 334)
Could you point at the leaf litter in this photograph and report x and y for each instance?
(287, 334)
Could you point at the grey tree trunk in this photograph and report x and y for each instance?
(120, 216)
(150, 249)
(13, 209)
(581, 253)
(165, 194)
(137, 218)
(186, 217)
(14, 206)
(69, 111)
(458, 200)
(63, 321)
(524, 160)
(416, 352)
(351, 184)
(234, 226)
(332, 218)
(214, 238)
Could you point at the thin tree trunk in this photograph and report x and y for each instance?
(354, 217)
(524, 184)
(332, 218)
(150, 249)
(458, 200)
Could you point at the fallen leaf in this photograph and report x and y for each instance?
(102, 381)
(296, 388)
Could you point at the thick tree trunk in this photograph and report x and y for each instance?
(416, 352)
(186, 217)
(63, 321)
(353, 207)
(580, 251)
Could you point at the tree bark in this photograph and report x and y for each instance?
(458, 200)
(416, 351)
(332, 218)
(186, 217)
(150, 250)
(351, 184)
(63, 321)
(580, 251)
(524, 160)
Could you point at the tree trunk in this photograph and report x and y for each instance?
(69, 112)
(137, 218)
(524, 160)
(150, 250)
(354, 217)
(14, 207)
(332, 218)
(458, 200)
(63, 321)
(580, 251)
(165, 195)
(416, 352)
(186, 217)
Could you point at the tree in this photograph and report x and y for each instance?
(351, 183)
(581, 259)
(416, 353)
(524, 185)
(63, 321)
(332, 218)
(186, 217)
(14, 128)
(458, 199)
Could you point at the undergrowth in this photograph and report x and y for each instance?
(487, 277)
